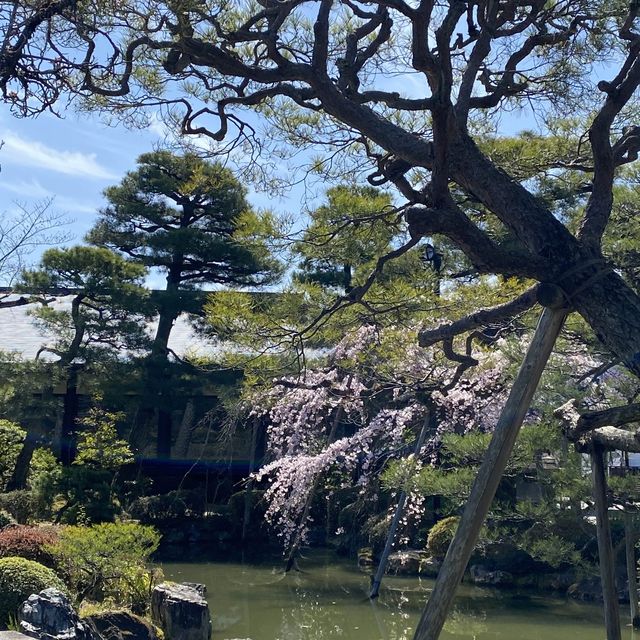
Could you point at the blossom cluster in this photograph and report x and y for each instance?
(294, 476)
(474, 404)
(324, 424)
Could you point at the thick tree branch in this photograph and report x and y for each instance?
(619, 439)
(484, 253)
(481, 318)
(619, 93)
(576, 424)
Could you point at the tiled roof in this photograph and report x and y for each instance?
(18, 332)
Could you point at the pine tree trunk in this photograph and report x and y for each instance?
(68, 444)
(612, 309)
(632, 569)
(183, 439)
(159, 394)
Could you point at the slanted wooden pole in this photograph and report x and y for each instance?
(375, 585)
(632, 571)
(605, 548)
(491, 470)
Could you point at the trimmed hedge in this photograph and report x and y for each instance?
(19, 578)
(441, 535)
(28, 542)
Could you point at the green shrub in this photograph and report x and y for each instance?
(99, 446)
(32, 543)
(174, 505)
(87, 496)
(441, 535)
(44, 475)
(17, 503)
(6, 519)
(108, 562)
(19, 578)
(553, 550)
(11, 439)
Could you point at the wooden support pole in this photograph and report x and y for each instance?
(632, 571)
(377, 580)
(605, 548)
(486, 482)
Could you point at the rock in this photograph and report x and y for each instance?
(504, 556)
(413, 562)
(50, 616)
(365, 558)
(482, 576)
(12, 635)
(590, 589)
(181, 612)
(121, 625)
(200, 588)
(563, 580)
(587, 590)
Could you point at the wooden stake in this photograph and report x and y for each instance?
(632, 571)
(375, 585)
(486, 482)
(605, 548)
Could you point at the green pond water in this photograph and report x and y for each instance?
(328, 599)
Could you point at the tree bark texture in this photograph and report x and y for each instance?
(68, 436)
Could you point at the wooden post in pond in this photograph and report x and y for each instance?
(605, 548)
(490, 472)
(632, 571)
(384, 558)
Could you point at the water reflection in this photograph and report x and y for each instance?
(328, 600)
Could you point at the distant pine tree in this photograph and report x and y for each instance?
(190, 219)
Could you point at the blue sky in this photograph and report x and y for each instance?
(73, 159)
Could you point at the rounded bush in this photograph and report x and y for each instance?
(28, 542)
(441, 535)
(19, 578)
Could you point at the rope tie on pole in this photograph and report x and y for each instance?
(554, 296)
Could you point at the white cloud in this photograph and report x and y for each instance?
(17, 150)
(27, 189)
(32, 189)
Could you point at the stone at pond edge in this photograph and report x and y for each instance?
(590, 589)
(12, 635)
(482, 576)
(200, 588)
(413, 562)
(181, 612)
(365, 558)
(121, 625)
(50, 616)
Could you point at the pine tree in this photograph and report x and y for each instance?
(190, 220)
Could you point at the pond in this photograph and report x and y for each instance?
(328, 599)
